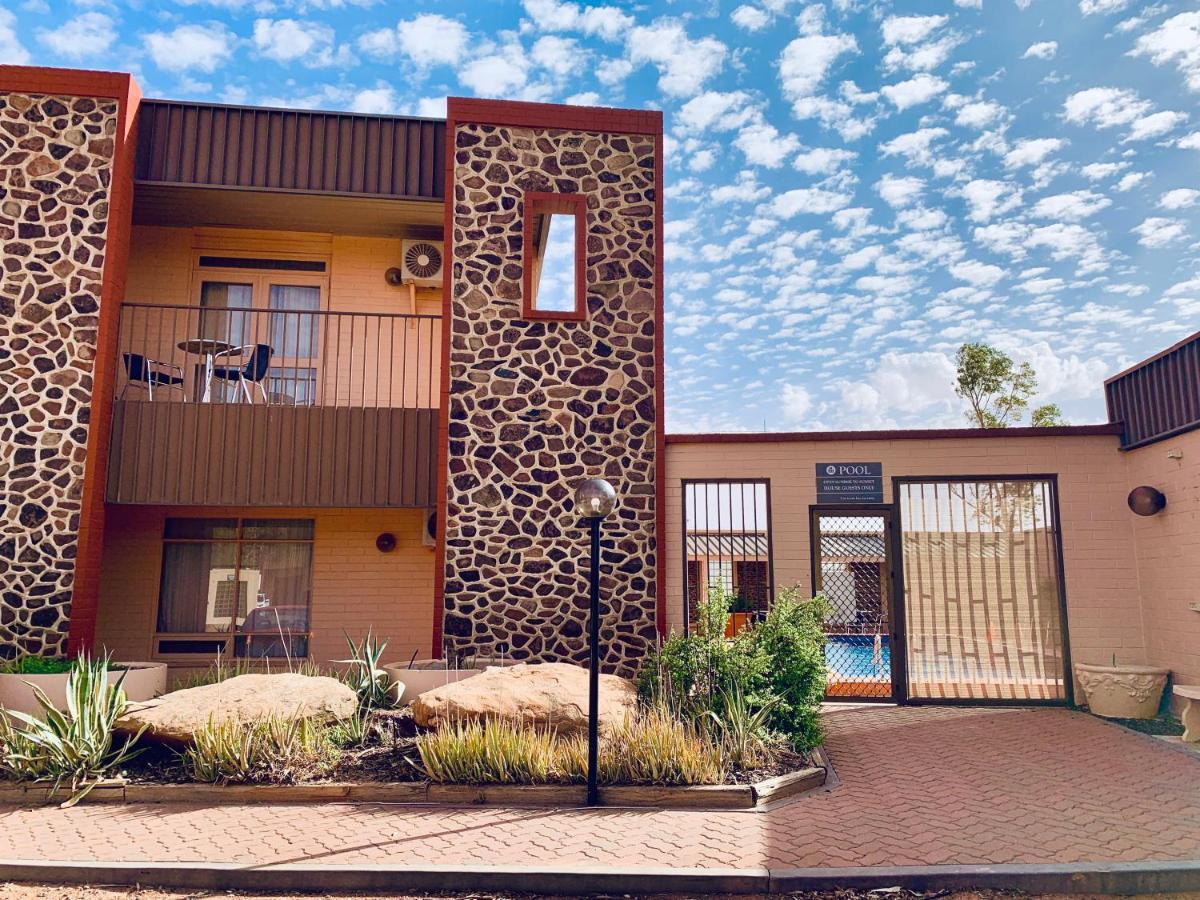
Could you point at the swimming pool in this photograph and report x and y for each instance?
(852, 657)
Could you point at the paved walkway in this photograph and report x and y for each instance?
(920, 786)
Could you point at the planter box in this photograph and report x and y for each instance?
(143, 681)
(427, 674)
(1122, 692)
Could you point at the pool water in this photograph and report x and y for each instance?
(853, 658)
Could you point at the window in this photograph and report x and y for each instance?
(245, 582)
(554, 241)
(727, 543)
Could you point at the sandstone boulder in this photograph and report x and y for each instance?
(177, 716)
(553, 695)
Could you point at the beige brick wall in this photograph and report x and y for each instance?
(355, 587)
(1104, 612)
(1168, 554)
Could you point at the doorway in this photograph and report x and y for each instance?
(852, 566)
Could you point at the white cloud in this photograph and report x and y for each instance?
(1189, 141)
(899, 191)
(1105, 107)
(1154, 125)
(750, 18)
(1176, 40)
(918, 89)
(683, 64)
(204, 48)
(1092, 7)
(88, 34)
(287, 40)
(812, 201)
(978, 114)
(1070, 207)
(915, 145)
(608, 22)
(806, 61)
(495, 75)
(988, 199)
(1031, 151)
(559, 56)
(976, 273)
(379, 100)
(715, 110)
(797, 403)
(822, 160)
(920, 382)
(11, 50)
(1158, 232)
(1180, 198)
(1130, 181)
(1100, 171)
(910, 29)
(763, 145)
(430, 40)
(1041, 50)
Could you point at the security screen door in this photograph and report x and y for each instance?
(852, 568)
(983, 602)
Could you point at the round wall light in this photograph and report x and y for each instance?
(1146, 501)
(394, 276)
(386, 542)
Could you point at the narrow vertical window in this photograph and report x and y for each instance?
(554, 242)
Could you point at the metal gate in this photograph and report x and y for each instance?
(852, 567)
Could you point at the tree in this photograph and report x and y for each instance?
(998, 389)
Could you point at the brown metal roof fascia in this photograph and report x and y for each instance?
(1159, 397)
(260, 148)
(915, 434)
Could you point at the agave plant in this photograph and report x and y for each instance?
(73, 746)
(366, 676)
(744, 728)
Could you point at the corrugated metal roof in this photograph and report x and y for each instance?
(1159, 397)
(290, 150)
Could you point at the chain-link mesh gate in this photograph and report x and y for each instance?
(851, 568)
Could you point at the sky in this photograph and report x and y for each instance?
(853, 189)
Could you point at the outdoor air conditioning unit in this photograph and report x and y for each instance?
(429, 532)
(421, 262)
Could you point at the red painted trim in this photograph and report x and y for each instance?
(536, 202)
(443, 473)
(660, 424)
(553, 115)
(85, 594)
(915, 434)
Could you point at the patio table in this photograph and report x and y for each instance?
(208, 348)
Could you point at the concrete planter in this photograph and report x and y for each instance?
(409, 682)
(1122, 692)
(143, 681)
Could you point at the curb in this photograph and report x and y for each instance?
(1080, 878)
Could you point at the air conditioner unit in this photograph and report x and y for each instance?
(429, 532)
(422, 262)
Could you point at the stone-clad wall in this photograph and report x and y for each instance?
(56, 157)
(537, 406)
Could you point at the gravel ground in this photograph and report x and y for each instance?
(12, 891)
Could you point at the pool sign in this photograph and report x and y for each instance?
(850, 482)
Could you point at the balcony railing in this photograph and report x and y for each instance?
(274, 407)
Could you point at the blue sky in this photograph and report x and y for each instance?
(853, 189)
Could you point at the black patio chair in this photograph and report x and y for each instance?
(253, 372)
(148, 373)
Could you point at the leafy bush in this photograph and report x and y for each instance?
(777, 665)
(273, 750)
(366, 676)
(35, 665)
(75, 745)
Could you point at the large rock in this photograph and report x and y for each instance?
(553, 695)
(177, 716)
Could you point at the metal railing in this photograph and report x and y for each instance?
(277, 407)
(278, 356)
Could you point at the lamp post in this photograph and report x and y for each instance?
(594, 499)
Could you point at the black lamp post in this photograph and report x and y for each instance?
(594, 499)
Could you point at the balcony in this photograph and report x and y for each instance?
(246, 406)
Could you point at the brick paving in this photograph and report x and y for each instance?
(920, 786)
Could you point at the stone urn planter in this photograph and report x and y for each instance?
(411, 680)
(143, 681)
(1122, 692)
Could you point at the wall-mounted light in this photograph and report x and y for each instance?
(1147, 501)
(386, 542)
(394, 276)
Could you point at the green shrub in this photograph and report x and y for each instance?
(366, 676)
(777, 664)
(35, 665)
(74, 746)
(272, 751)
